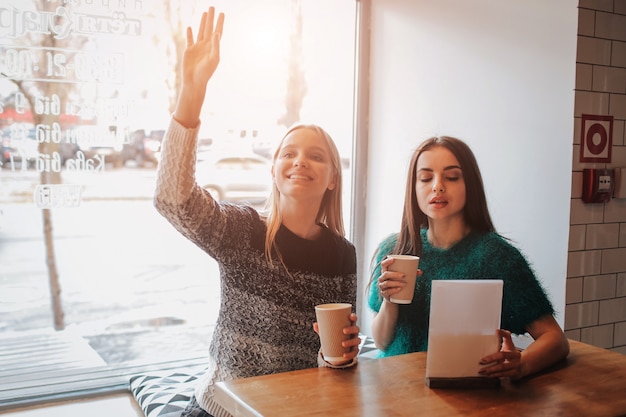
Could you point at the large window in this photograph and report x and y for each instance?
(86, 90)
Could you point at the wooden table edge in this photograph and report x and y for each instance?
(233, 404)
(225, 398)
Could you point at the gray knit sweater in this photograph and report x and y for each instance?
(265, 322)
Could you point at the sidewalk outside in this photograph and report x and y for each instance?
(131, 285)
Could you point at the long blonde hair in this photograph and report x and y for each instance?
(330, 213)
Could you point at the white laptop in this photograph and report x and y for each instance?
(464, 317)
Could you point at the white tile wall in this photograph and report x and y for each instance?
(574, 290)
(576, 165)
(583, 263)
(609, 79)
(599, 287)
(619, 152)
(619, 338)
(618, 57)
(618, 136)
(611, 311)
(613, 260)
(593, 51)
(595, 299)
(577, 237)
(584, 76)
(604, 235)
(621, 285)
(573, 334)
(619, 349)
(581, 213)
(611, 26)
(577, 128)
(618, 157)
(577, 184)
(615, 211)
(606, 5)
(618, 106)
(601, 336)
(588, 102)
(581, 315)
(586, 22)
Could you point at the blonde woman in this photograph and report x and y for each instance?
(274, 269)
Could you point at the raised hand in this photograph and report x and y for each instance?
(202, 56)
(200, 61)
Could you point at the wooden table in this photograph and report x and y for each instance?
(590, 382)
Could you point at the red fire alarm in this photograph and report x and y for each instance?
(598, 185)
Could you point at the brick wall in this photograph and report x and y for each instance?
(595, 310)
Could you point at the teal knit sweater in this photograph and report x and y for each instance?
(477, 256)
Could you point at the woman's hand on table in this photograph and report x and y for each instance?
(505, 363)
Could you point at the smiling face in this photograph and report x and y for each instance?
(303, 166)
(439, 185)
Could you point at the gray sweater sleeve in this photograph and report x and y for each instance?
(176, 171)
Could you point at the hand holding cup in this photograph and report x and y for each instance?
(397, 282)
(336, 326)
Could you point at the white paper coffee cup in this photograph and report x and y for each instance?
(407, 264)
(331, 320)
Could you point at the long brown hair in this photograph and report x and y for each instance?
(475, 212)
(330, 213)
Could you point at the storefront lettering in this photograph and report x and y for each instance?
(80, 163)
(48, 163)
(83, 122)
(61, 23)
(53, 65)
(48, 196)
(48, 133)
(48, 105)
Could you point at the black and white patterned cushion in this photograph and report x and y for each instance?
(367, 349)
(164, 393)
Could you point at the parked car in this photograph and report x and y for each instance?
(234, 177)
(143, 148)
(98, 142)
(152, 146)
(18, 147)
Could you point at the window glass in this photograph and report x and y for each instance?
(86, 92)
